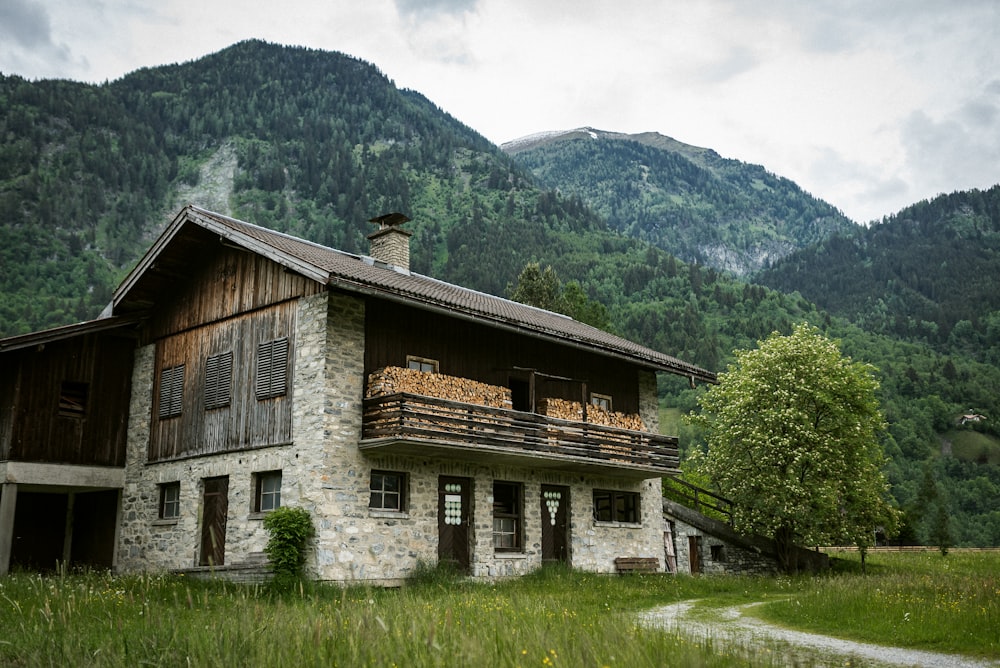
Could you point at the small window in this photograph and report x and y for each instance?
(267, 495)
(614, 506)
(218, 380)
(170, 501)
(73, 399)
(718, 553)
(272, 368)
(601, 401)
(421, 364)
(171, 391)
(507, 517)
(388, 491)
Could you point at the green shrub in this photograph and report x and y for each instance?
(290, 529)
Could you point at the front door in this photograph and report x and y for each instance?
(555, 527)
(454, 520)
(215, 508)
(694, 554)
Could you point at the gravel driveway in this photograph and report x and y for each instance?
(734, 627)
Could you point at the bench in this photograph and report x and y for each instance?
(637, 564)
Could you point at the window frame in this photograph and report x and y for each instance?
(271, 379)
(218, 380)
(602, 401)
(261, 493)
(417, 363)
(380, 492)
(168, 489)
(171, 392)
(73, 399)
(618, 506)
(512, 516)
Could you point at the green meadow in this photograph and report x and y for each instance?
(555, 617)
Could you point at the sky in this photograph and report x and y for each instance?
(870, 105)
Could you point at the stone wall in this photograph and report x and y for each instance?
(720, 549)
(324, 471)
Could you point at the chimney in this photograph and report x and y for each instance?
(390, 243)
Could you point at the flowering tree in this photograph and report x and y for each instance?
(792, 430)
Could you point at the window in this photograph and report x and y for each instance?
(388, 491)
(601, 401)
(218, 380)
(612, 506)
(267, 495)
(171, 391)
(421, 364)
(507, 516)
(170, 501)
(272, 368)
(72, 399)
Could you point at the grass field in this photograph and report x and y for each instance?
(973, 446)
(551, 618)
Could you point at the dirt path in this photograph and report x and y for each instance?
(732, 626)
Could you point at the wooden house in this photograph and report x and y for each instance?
(416, 421)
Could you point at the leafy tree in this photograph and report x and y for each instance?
(542, 288)
(792, 431)
(538, 287)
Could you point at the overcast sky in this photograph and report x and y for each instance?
(870, 105)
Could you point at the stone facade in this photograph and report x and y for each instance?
(324, 471)
(719, 548)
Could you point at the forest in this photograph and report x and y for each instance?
(321, 142)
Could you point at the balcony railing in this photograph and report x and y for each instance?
(414, 424)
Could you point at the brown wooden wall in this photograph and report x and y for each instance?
(471, 350)
(227, 283)
(31, 427)
(246, 422)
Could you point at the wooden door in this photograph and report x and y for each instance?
(454, 520)
(215, 508)
(555, 525)
(694, 553)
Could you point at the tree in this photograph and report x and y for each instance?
(793, 440)
(543, 288)
(538, 287)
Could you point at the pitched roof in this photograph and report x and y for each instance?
(364, 275)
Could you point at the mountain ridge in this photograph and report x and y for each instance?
(685, 199)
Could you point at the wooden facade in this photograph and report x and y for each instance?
(66, 401)
(249, 418)
(467, 349)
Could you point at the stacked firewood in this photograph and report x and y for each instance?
(394, 379)
(564, 409)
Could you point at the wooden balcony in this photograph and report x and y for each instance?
(411, 424)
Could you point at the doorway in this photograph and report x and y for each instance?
(555, 525)
(215, 509)
(454, 520)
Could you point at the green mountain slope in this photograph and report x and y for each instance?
(316, 143)
(689, 201)
(928, 273)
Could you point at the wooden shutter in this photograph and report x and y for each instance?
(272, 368)
(171, 391)
(218, 380)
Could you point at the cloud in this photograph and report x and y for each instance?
(423, 9)
(958, 150)
(27, 23)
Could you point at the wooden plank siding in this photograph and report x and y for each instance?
(32, 426)
(227, 284)
(246, 421)
(486, 354)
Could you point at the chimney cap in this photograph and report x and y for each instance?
(389, 220)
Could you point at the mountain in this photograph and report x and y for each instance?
(929, 273)
(689, 201)
(316, 143)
